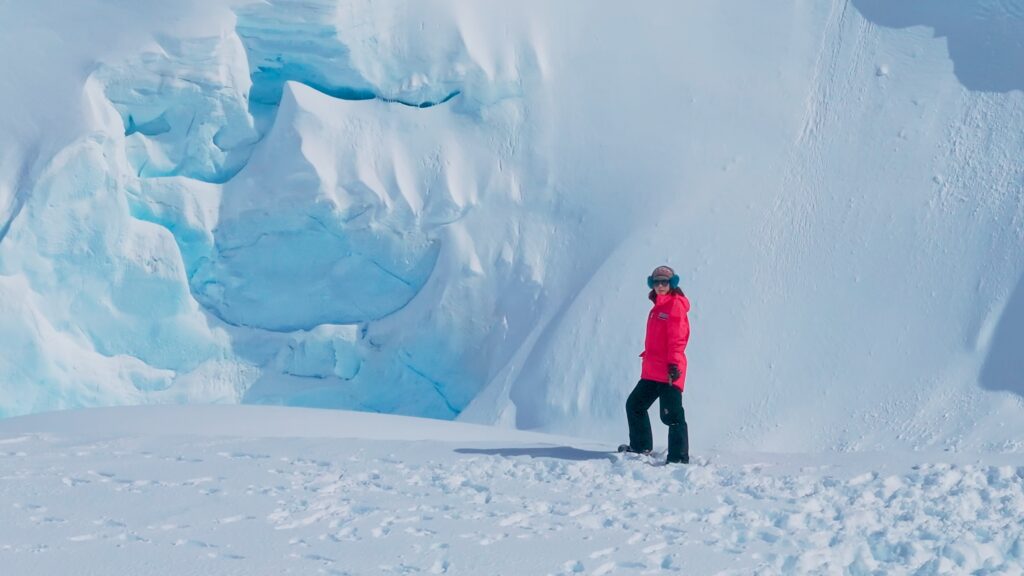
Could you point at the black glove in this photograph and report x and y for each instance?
(673, 373)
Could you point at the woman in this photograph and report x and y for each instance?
(664, 369)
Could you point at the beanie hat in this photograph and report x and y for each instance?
(663, 273)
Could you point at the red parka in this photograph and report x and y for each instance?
(668, 331)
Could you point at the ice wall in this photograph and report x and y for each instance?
(448, 209)
(314, 182)
(95, 309)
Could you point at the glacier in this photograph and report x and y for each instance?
(444, 209)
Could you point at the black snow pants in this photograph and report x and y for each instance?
(672, 415)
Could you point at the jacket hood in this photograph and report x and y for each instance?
(662, 299)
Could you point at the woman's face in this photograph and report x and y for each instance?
(661, 287)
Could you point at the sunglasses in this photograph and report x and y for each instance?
(660, 282)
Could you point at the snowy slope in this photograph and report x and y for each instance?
(264, 490)
(447, 209)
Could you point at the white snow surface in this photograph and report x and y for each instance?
(448, 208)
(275, 490)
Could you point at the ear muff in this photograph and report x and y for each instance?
(673, 282)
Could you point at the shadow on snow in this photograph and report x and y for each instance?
(1004, 366)
(556, 452)
(985, 38)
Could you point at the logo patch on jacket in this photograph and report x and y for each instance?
(662, 315)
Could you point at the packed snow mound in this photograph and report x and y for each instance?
(446, 209)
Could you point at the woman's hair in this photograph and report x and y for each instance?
(654, 295)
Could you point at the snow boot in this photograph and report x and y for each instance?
(628, 448)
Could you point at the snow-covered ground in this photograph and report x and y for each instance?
(261, 490)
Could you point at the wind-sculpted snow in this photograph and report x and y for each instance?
(399, 52)
(327, 224)
(298, 42)
(196, 107)
(184, 108)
